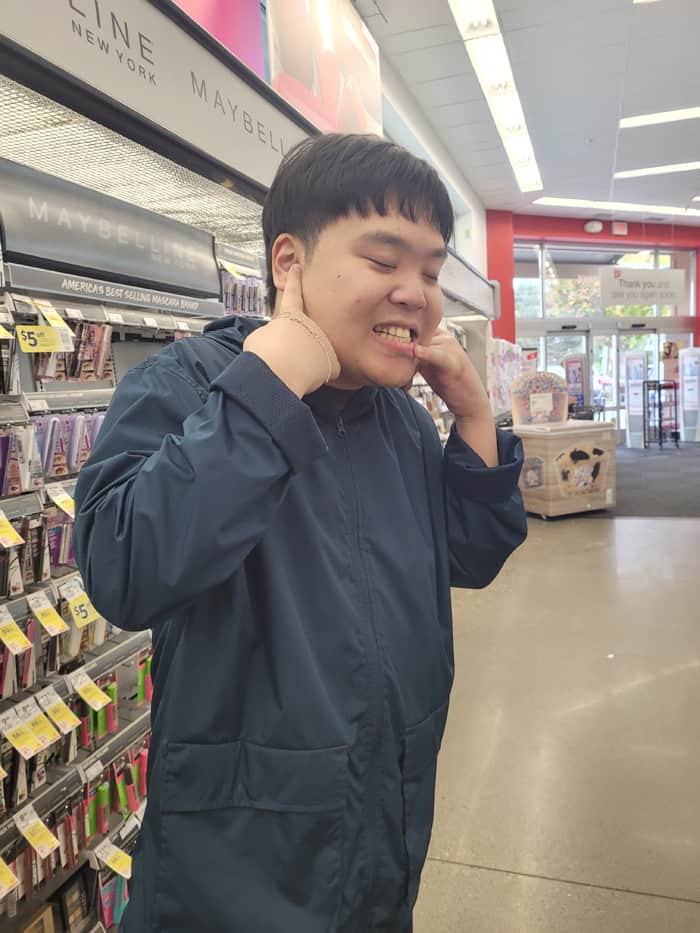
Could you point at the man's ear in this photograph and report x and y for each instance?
(286, 251)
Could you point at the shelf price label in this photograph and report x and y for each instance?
(46, 614)
(57, 710)
(37, 722)
(81, 608)
(54, 319)
(8, 879)
(9, 537)
(20, 737)
(60, 497)
(44, 339)
(37, 834)
(74, 314)
(87, 689)
(115, 858)
(5, 334)
(115, 317)
(11, 634)
(151, 322)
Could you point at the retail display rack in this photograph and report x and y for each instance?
(661, 421)
(75, 690)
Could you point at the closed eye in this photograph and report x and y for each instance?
(432, 278)
(381, 265)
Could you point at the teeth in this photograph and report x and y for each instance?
(402, 334)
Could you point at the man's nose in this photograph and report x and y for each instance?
(410, 293)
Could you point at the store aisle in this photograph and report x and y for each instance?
(568, 797)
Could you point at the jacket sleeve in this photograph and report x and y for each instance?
(182, 483)
(486, 518)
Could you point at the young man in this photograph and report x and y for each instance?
(271, 502)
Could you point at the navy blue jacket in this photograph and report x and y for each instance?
(295, 568)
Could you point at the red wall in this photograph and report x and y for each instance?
(504, 228)
(501, 267)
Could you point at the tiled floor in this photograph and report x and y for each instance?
(569, 779)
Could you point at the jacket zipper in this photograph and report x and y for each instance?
(377, 722)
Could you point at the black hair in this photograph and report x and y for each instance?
(327, 177)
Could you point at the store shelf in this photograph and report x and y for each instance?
(26, 910)
(107, 660)
(68, 400)
(69, 780)
(12, 411)
(21, 506)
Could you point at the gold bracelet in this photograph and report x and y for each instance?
(309, 330)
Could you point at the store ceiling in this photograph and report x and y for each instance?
(579, 65)
(42, 134)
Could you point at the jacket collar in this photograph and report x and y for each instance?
(232, 331)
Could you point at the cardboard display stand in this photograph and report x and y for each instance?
(636, 367)
(568, 468)
(689, 366)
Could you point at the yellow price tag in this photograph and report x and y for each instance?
(23, 740)
(53, 318)
(39, 837)
(51, 621)
(43, 729)
(12, 635)
(39, 339)
(3, 773)
(88, 690)
(8, 879)
(60, 713)
(48, 618)
(65, 502)
(120, 862)
(114, 857)
(81, 608)
(9, 536)
(5, 334)
(65, 718)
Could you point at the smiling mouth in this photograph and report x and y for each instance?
(404, 335)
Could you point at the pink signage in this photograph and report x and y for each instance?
(236, 24)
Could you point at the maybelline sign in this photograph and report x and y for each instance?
(54, 222)
(134, 54)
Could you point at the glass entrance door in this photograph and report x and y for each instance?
(560, 345)
(645, 341)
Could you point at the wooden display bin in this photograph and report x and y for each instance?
(568, 467)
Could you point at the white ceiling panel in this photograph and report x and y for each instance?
(579, 66)
(646, 146)
(433, 38)
(427, 64)
(435, 93)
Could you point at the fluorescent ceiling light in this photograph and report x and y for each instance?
(645, 1)
(475, 18)
(618, 207)
(478, 25)
(697, 198)
(664, 116)
(660, 170)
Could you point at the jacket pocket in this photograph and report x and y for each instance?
(251, 838)
(421, 746)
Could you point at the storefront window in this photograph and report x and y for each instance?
(526, 283)
(574, 276)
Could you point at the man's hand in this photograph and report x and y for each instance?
(450, 373)
(294, 347)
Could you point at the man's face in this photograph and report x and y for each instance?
(371, 283)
